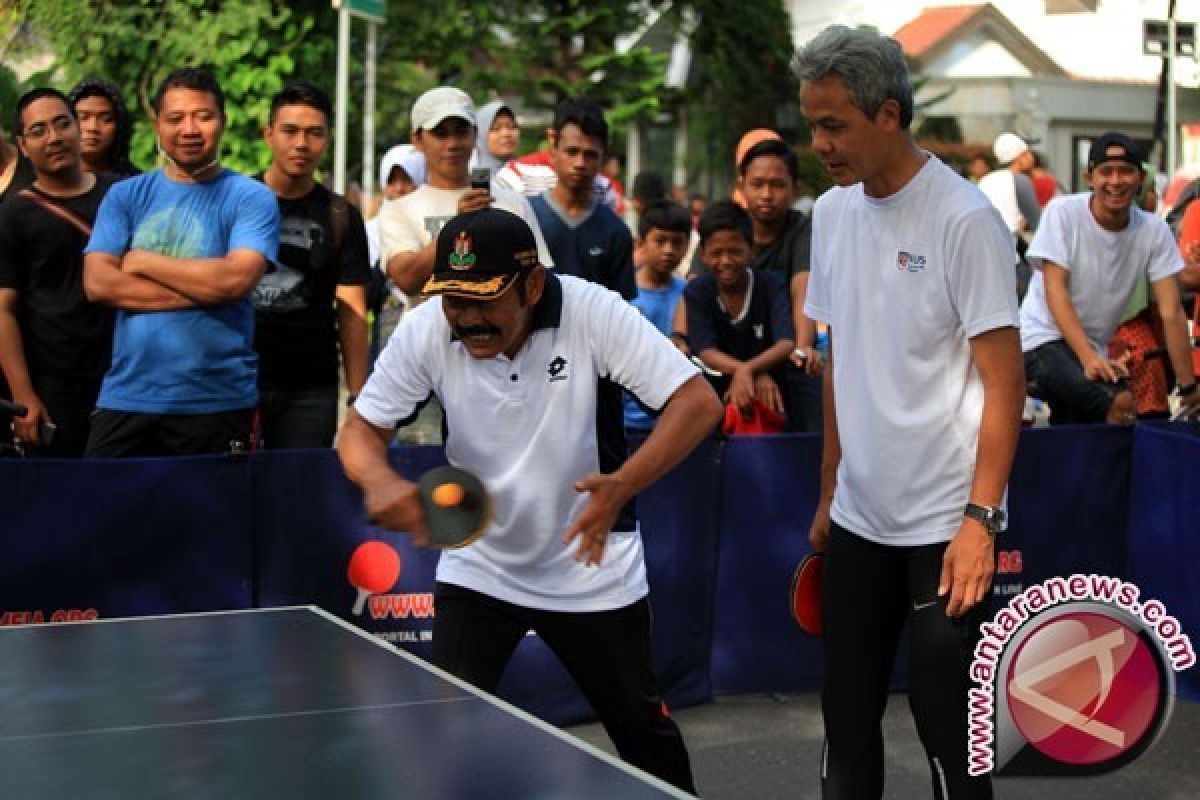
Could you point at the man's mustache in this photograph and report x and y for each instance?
(463, 332)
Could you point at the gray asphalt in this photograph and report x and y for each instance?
(763, 747)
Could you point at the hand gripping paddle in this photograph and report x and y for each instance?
(806, 593)
(456, 505)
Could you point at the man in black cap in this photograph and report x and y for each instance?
(516, 355)
(1091, 252)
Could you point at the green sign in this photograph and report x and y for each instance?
(372, 10)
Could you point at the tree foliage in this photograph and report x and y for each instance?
(534, 51)
(253, 47)
(743, 79)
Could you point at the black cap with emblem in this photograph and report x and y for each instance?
(480, 255)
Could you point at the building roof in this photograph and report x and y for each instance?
(932, 26)
(935, 31)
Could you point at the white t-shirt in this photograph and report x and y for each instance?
(414, 220)
(528, 428)
(905, 282)
(999, 186)
(1105, 268)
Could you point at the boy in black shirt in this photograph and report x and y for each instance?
(314, 298)
(739, 320)
(55, 345)
(782, 241)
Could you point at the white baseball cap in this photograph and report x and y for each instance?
(440, 104)
(1008, 147)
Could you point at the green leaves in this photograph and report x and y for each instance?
(135, 43)
(538, 51)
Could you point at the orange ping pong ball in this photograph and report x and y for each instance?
(447, 495)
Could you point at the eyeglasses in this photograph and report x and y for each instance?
(40, 130)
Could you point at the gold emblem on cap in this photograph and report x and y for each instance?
(462, 258)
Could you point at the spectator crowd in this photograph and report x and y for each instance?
(191, 309)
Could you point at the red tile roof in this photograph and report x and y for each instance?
(933, 25)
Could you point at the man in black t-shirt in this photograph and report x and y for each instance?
(314, 297)
(55, 345)
(767, 176)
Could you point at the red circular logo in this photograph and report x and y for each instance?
(1084, 688)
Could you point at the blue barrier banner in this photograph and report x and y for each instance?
(723, 532)
(1164, 546)
(310, 523)
(86, 540)
(1068, 506)
(768, 490)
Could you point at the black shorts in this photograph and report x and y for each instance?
(1056, 376)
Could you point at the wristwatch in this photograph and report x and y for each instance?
(993, 518)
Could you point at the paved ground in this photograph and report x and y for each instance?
(763, 747)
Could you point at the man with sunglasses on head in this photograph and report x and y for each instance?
(54, 343)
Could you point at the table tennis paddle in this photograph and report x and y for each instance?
(456, 505)
(374, 569)
(805, 596)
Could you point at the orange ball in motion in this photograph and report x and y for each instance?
(448, 495)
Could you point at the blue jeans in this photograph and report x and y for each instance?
(298, 418)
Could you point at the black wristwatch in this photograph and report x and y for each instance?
(993, 518)
(1191, 387)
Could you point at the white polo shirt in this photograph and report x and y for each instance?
(1105, 268)
(530, 427)
(904, 282)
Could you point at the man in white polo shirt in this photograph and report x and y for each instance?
(515, 354)
(912, 271)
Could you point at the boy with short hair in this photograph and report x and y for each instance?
(663, 231)
(739, 320)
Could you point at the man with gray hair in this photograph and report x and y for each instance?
(912, 269)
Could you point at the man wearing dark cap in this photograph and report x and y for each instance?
(516, 354)
(1090, 252)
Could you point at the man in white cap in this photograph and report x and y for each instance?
(1011, 191)
(443, 130)
(1010, 188)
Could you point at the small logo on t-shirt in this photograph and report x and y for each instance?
(758, 331)
(557, 369)
(595, 250)
(910, 262)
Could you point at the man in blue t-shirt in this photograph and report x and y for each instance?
(177, 251)
(663, 233)
(585, 238)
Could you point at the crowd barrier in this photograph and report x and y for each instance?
(723, 531)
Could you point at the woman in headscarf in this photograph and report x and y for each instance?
(105, 127)
(496, 136)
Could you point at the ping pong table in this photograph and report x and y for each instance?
(270, 703)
